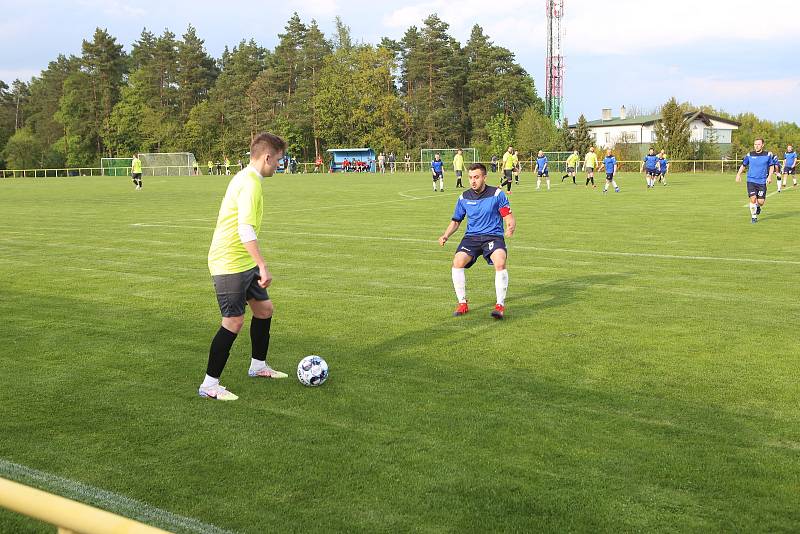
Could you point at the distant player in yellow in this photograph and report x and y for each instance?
(572, 166)
(210, 167)
(136, 171)
(227, 166)
(510, 162)
(589, 165)
(238, 269)
(458, 167)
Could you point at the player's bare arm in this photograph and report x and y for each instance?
(511, 224)
(739, 174)
(265, 277)
(451, 229)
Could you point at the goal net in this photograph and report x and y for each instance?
(168, 163)
(470, 156)
(115, 166)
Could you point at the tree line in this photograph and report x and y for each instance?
(425, 90)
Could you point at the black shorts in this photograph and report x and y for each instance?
(484, 245)
(508, 173)
(570, 169)
(788, 170)
(609, 176)
(234, 290)
(137, 176)
(662, 173)
(459, 174)
(437, 175)
(756, 190)
(546, 174)
(653, 172)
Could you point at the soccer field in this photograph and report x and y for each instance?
(646, 377)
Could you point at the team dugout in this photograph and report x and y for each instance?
(352, 159)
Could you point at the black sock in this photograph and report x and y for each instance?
(592, 180)
(220, 350)
(573, 181)
(587, 181)
(259, 337)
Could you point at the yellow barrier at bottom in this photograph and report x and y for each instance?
(69, 516)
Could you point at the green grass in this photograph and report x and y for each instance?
(655, 390)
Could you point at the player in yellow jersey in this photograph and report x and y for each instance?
(136, 171)
(589, 165)
(572, 166)
(238, 269)
(510, 162)
(458, 167)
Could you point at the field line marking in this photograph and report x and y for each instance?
(107, 500)
(522, 247)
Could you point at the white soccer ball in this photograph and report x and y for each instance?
(312, 371)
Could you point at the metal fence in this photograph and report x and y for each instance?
(690, 166)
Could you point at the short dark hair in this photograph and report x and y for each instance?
(759, 139)
(264, 141)
(478, 166)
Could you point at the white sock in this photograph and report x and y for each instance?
(779, 185)
(441, 184)
(501, 285)
(209, 381)
(614, 183)
(434, 185)
(460, 284)
(255, 365)
(538, 183)
(753, 209)
(605, 187)
(548, 184)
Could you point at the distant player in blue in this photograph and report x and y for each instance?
(776, 167)
(610, 163)
(790, 165)
(437, 169)
(759, 174)
(650, 167)
(542, 169)
(486, 208)
(663, 167)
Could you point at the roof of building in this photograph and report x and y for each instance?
(646, 120)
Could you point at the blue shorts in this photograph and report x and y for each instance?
(437, 175)
(788, 170)
(609, 176)
(544, 173)
(484, 245)
(756, 190)
(653, 172)
(662, 173)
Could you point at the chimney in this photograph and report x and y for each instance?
(623, 113)
(606, 114)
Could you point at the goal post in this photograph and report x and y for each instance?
(168, 163)
(115, 166)
(471, 155)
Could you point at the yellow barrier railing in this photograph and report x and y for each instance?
(67, 515)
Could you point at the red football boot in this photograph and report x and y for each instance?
(461, 309)
(499, 311)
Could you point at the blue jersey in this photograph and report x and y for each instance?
(662, 164)
(758, 164)
(610, 163)
(776, 162)
(789, 159)
(437, 166)
(484, 211)
(541, 164)
(650, 162)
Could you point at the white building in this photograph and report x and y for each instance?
(608, 131)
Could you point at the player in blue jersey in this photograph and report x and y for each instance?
(486, 208)
(650, 167)
(663, 167)
(759, 174)
(610, 163)
(790, 165)
(437, 169)
(542, 169)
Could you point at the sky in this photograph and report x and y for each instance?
(636, 53)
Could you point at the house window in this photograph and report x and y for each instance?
(653, 138)
(608, 138)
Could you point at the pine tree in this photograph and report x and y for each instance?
(582, 137)
(672, 131)
(567, 138)
(196, 72)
